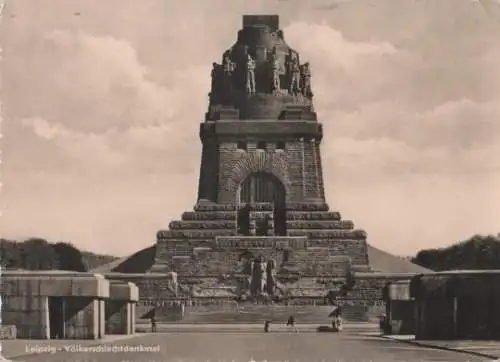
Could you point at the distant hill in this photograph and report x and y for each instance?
(384, 262)
(39, 254)
(92, 260)
(139, 262)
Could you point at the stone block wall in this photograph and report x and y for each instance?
(368, 292)
(151, 286)
(30, 315)
(297, 167)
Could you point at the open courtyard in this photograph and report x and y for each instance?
(354, 344)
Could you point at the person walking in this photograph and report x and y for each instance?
(291, 323)
(153, 324)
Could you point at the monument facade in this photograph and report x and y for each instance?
(261, 229)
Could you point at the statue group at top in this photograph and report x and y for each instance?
(298, 76)
(260, 62)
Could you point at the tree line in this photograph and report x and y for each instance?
(478, 252)
(39, 254)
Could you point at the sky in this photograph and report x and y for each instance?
(102, 100)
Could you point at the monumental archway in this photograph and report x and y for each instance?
(263, 187)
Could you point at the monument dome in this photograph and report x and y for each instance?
(260, 76)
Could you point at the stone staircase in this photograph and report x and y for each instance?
(253, 314)
(315, 314)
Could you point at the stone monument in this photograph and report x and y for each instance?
(261, 230)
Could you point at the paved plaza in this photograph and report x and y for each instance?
(354, 344)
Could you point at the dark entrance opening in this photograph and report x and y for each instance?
(243, 221)
(56, 317)
(263, 187)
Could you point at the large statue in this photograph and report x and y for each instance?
(263, 276)
(228, 67)
(306, 80)
(270, 277)
(215, 80)
(250, 74)
(258, 277)
(275, 71)
(293, 69)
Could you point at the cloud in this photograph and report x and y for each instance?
(135, 150)
(105, 108)
(109, 112)
(335, 49)
(44, 129)
(459, 125)
(95, 83)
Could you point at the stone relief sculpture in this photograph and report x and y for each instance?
(275, 70)
(306, 79)
(216, 81)
(270, 277)
(250, 74)
(228, 67)
(293, 70)
(263, 277)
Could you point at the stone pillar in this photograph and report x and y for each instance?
(120, 308)
(45, 319)
(83, 319)
(455, 316)
(102, 318)
(117, 317)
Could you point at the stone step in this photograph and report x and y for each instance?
(328, 234)
(209, 215)
(307, 207)
(277, 314)
(194, 234)
(316, 215)
(319, 224)
(291, 215)
(202, 224)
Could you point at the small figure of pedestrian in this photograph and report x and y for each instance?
(153, 324)
(266, 326)
(291, 323)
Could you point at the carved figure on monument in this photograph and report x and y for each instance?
(250, 74)
(305, 73)
(271, 277)
(293, 69)
(216, 80)
(228, 67)
(276, 75)
(263, 276)
(273, 56)
(250, 279)
(257, 286)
